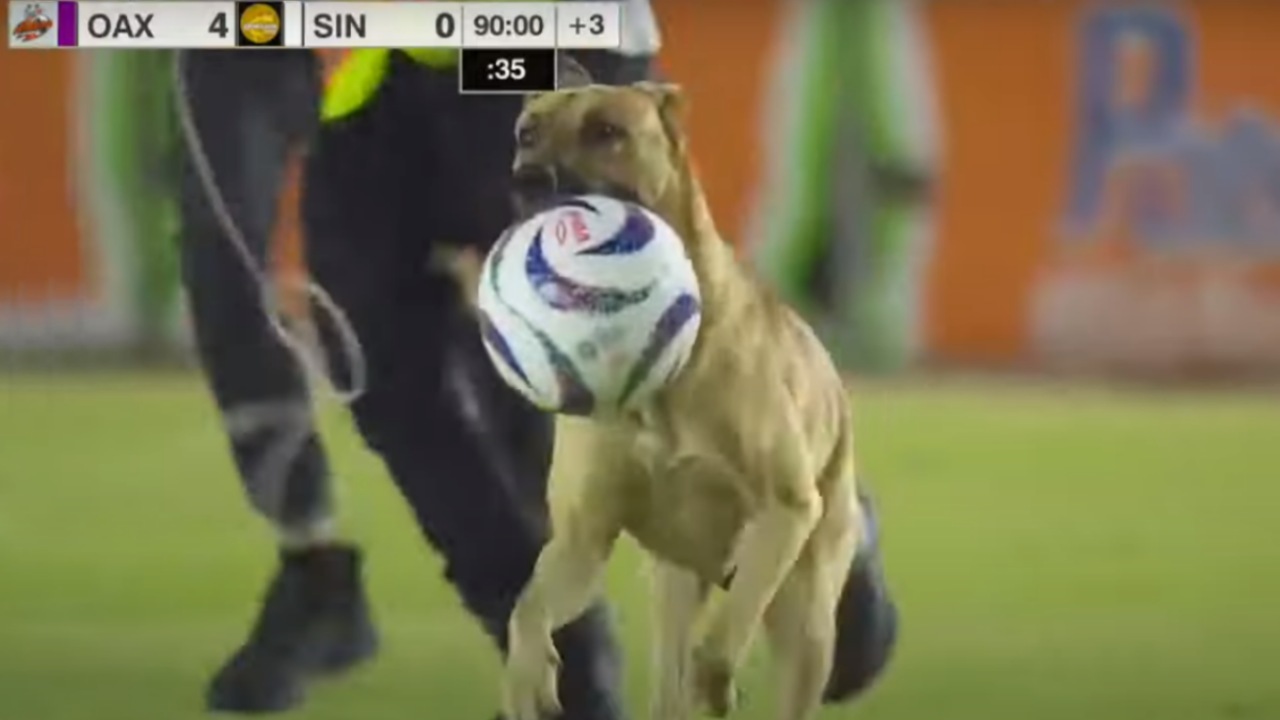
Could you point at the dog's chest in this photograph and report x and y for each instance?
(690, 506)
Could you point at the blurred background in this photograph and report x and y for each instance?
(1043, 238)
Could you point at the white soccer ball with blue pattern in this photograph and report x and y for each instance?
(590, 307)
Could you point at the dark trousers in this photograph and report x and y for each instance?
(250, 111)
(421, 167)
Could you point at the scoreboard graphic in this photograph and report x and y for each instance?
(199, 24)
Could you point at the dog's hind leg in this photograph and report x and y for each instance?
(801, 621)
(678, 597)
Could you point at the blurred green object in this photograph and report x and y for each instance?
(140, 145)
(844, 236)
(796, 219)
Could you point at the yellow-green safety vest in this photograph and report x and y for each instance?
(357, 77)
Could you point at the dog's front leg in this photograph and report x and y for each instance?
(769, 548)
(565, 582)
(678, 597)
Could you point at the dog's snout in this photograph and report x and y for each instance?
(534, 180)
(533, 188)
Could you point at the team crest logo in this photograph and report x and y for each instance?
(34, 25)
(572, 226)
(260, 23)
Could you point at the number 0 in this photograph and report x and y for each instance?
(219, 25)
(445, 25)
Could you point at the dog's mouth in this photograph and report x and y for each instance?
(537, 188)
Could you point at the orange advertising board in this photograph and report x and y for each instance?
(1111, 189)
(41, 258)
(720, 53)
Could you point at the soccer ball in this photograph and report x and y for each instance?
(589, 307)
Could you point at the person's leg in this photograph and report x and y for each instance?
(866, 620)
(242, 115)
(379, 193)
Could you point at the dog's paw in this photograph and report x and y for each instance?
(529, 689)
(713, 682)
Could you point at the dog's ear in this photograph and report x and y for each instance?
(672, 106)
(570, 73)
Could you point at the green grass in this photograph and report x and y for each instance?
(1058, 553)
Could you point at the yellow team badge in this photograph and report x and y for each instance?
(260, 23)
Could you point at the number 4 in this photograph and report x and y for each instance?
(219, 25)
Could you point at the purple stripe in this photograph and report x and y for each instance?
(636, 233)
(576, 398)
(490, 333)
(673, 319)
(67, 24)
(562, 293)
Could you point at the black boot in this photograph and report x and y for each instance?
(314, 620)
(590, 668)
(866, 619)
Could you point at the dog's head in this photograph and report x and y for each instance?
(625, 142)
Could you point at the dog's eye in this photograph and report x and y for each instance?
(526, 136)
(602, 131)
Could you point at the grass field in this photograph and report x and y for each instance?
(1059, 553)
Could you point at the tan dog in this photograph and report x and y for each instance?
(743, 466)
